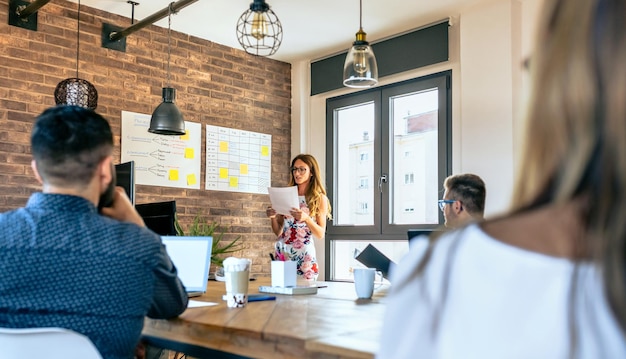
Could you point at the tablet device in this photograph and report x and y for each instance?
(373, 258)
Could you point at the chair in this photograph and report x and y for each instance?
(49, 343)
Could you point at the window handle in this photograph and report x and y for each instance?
(381, 180)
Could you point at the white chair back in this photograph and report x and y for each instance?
(49, 343)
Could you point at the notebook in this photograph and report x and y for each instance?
(192, 258)
(371, 257)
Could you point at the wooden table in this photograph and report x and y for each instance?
(330, 324)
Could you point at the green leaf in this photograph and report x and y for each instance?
(199, 227)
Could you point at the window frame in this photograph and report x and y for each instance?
(382, 156)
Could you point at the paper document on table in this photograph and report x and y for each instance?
(197, 303)
(284, 198)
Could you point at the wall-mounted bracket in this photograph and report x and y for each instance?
(111, 37)
(24, 14)
(107, 30)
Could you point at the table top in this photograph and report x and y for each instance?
(330, 324)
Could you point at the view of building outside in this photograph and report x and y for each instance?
(355, 174)
(414, 157)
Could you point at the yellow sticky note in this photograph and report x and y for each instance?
(191, 179)
(265, 151)
(243, 169)
(234, 181)
(185, 137)
(189, 152)
(173, 175)
(223, 146)
(223, 172)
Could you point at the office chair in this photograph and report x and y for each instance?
(50, 343)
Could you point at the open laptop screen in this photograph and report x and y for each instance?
(192, 258)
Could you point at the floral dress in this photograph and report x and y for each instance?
(296, 244)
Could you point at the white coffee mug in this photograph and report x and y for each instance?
(364, 281)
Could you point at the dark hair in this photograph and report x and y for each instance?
(469, 189)
(68, 143)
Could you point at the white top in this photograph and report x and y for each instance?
(502, 302)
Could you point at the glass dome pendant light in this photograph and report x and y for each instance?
(360, 69)
(74, 90)
(259, 31)
(167, 118)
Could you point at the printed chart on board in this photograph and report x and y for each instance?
(168, 161)
(238, 160)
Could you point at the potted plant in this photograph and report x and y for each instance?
(201, 228)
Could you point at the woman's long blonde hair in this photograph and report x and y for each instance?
(315, 193)
(575, 144)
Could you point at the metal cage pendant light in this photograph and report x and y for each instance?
(167, 118)
(258, 30)
(74, 90)
(360, 69)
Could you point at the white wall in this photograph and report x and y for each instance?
(488, 43)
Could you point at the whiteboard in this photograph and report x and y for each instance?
(238, 160)
(160, 160)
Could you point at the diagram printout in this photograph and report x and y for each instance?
(160, 160)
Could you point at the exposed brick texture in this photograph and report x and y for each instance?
(215, 85)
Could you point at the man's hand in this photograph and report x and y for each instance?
(122, 209)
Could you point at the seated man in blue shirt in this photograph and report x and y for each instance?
(63, 263)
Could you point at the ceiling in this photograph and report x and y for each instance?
(312, 29)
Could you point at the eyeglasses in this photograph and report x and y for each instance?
(443, 202)
(300, 170)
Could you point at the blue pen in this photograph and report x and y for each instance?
(260, 297)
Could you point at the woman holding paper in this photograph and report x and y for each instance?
(296, 230)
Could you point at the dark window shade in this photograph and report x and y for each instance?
(413, 50)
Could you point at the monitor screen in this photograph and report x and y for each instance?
(125, 177)
(159, 216)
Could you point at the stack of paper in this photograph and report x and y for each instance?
(289, 290)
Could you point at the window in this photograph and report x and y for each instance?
(362, 208)
(404, 132)
(408, 178)
(363, 183)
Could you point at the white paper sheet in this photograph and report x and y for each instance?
(197, 303)
(284, 198)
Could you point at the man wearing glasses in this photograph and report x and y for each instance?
(463, 200)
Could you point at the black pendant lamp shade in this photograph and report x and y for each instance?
(167, 118)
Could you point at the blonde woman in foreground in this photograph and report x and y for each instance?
(547, 280)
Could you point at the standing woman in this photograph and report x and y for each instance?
(296, 231)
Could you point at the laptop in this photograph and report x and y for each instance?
(192, 258)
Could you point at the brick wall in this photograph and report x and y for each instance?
(215, 85)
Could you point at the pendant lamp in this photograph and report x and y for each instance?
(258, 30)
(360, 69)
(76, 91)
(167, 118)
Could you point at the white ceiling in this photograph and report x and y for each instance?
(312, 29)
